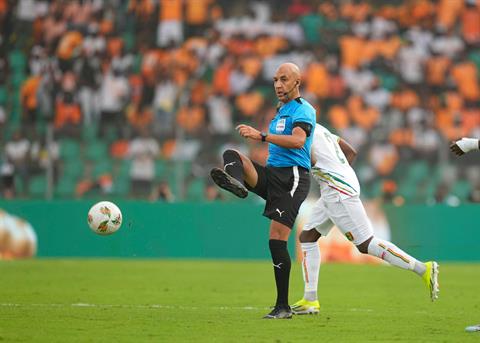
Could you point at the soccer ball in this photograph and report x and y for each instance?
(104, 218)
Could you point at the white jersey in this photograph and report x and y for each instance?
(336, 177)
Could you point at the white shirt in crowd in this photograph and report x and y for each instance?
(143, 151)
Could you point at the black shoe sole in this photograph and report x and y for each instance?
(274, 317)
(229, 183)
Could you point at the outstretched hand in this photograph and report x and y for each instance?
(456, 149)
(247, 131)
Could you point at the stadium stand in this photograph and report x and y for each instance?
(399, 80)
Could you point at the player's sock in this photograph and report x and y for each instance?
(311, 268)
(281, 268)
(389, 252)
(233, 165)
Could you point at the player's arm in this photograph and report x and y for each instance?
(464, 145)
(348, 150)
(294, 141)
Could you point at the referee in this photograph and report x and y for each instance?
(284, 182)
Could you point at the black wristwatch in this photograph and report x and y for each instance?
(264, 136)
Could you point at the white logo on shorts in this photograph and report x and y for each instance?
(279, 212)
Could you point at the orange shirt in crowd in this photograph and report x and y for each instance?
(28, 92)
(338, 117)
(141, 8)
(106, 26)
(370, 50)
(251, 65)
(170, 10)
(445, 121)
(351, 51)
(138, 118)
(454, 101)
(136, 87)
(191, 118)
(422, 10)
(3, 7)
(389, 47)
(268, 46)
(471, 24)
(249, 104)
(436, 70)
(465, 76)
(357, 12)
(470, 120)
(448, 12)
(365, 117)
(115, 46)
(198, 94)
(401, 137)
(336, 86)
(404, 100)
(317, 79)
(221, 77)
(69, 43)
(197, 11)
(67, 114)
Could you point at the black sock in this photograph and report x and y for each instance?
(233, 164)
(281, 268)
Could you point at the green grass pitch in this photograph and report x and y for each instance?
(223, 301)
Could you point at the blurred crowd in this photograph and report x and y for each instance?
(159, 85)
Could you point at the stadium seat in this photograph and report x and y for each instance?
(160, 168)
(195, 190)
(17, 79)
(3, 95)
(121, 186)
(17, 61)
(69, 149)
(418, 171)
(65, 187)
(37, 186)
(96, 150)
(103, 166)
(72, 168)
(461, 189)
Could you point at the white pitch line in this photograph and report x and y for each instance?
(158, 306)
(152, 306)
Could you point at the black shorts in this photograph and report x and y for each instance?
(284, 189)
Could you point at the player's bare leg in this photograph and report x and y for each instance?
(281, 266)
(237, 170)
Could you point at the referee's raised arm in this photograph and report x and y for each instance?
(284, 181)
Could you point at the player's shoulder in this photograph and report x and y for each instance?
(320, 129)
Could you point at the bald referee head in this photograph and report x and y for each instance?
(287, 82)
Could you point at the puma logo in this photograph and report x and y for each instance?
(228, 164)
(279, 212)
(277, 265)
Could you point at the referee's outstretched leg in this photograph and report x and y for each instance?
(240, 173)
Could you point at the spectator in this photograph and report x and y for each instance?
(143, 151)
(114, 92)
(17, 153)
(162, 192)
